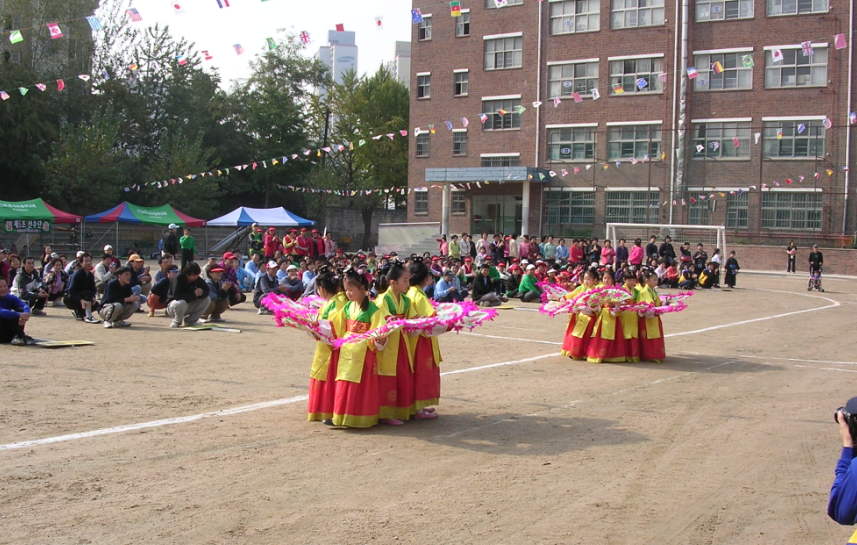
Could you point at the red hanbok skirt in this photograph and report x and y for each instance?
(606, 350)
(322, 393)
(632, 350)
(355, 404)
(426, 376)
(396, 394)
(652, 349)
(574, 347)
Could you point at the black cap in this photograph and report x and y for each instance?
(851, 406)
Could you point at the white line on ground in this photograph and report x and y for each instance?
(222, 412)
(776, 358)
(825, 368)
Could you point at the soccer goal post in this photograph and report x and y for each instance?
(711, 236)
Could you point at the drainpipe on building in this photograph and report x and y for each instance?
(682, 107)
(444, 211)
(674, 113)
(848, 123)
(538, 122)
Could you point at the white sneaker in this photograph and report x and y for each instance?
(108, 325)
(175, 325)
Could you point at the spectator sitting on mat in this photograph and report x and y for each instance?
(14, 314)
(29, 287)
(191, 298)
(82, 296)
(164, 290)
(119, 302)
(218, 292)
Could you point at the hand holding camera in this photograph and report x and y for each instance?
(847, 423)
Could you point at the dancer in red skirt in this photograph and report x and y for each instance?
(322, 382)
(395, 367)
(608, 342)
(651, 330)
(578, 334)
(356, 404)
(425, 351)
(630, 321)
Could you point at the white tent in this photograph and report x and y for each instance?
(268, 217)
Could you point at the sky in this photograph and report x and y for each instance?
(249, 22)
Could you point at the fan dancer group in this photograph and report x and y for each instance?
(608, 333)
(389, 378)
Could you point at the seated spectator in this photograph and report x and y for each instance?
(163, 292)
(14, 314)
(108, 249)
(104, 272)
(14, 267)
(293, 285)
(218, 292)
(528, 291)
(448, 289)
(29, 287)
(56, 281)
(191, 298)
(141, 280)
(671, 277)
(267, 283)
(4, 266)
(708, 276)
(510, 286)
(73, 265)
(484, 289)
(252, 266)
(82, 296)
(165, 263)
(687, 278)
(230, 266)
(119, 302)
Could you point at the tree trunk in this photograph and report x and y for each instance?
(367, 226)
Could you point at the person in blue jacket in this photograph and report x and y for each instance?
(14, 314)
(842, 506)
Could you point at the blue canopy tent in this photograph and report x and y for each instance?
(269, 217)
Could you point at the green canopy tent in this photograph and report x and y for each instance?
(33, 217)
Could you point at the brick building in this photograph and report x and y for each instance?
(632, 133)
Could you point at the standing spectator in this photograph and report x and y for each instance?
(82, 294)
(257, 246)
(465, 245)
(14, 314)
(29, 287)
(550, 250)
(294, 286)
(513, 247)
(191, 298)
(527, 290)
(636, 254)
(329, 246)
(608, 254)
(652, 248)
(188, 246)
(816, 259)
(104, 273)
(732, 268)
(700, 259)
(482, 243)
(666, 251)
(684, 251)
(163, 292)
(576, 253)
(316, 245)
(271, 242)
(454, 248)
(171, 241)
(218, 292)
(621, 253)
(524, 248)
(595, 252)
(302, 244)
(119, 302)
(442, 246)
(535, 249)
(791, 252)
(562, 253)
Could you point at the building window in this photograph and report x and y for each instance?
(737, 207)
(637, 13)
(630, 206)
(501, 161)
(699, 213)
(730, 74)
(459, 143)
(423, 144)
(459, 202)
(504, 53)
(492, 4)
(799, 211)
(424, 86)
(572, 144)
(636, 75)
(573, 16)
(462, 82)
(566, 79)
(569, 207)
(424, 28)
(462, 24)
(795, 70)
(633, 141)
(719, 10)
(718, 140)
(509, 119)
(796, 7)
(421, 202)
(793, 139)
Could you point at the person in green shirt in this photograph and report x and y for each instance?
(528, 291)
(188, 247)
(455, 248)
(550, 250)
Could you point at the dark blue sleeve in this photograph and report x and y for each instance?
(843, 494)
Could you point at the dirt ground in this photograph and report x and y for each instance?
(730, 440)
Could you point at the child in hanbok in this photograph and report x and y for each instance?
(322, 382)
(356, 401)
(651, 330)
(580, 323)
(608, 342)
(630, 321)
(425, 352)
(395, 366)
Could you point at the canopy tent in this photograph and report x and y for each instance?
(36, 209)
(269, 217)
(156, 215)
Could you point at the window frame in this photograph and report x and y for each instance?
(424, 86)
(728, 129)
(459, 142)
(631, 206)
(458, 202)
(458, 86)
(516, 53)
(512, 118)
(738, 211)
(654, 151)
(489, 4)
(790, 134)
(497, 161)
(559, 26)
(771, 66)
(652, 9)
(424, 29)
(588, 82)
(723, 8)
(422, 146)
(797, 3)
(565, 207)
(628, 80)
(588, 146)
(462, 24)
(421, 202)
(785, 209)
(731, 60)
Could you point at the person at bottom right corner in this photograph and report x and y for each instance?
(842, 506)
(14, 315)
